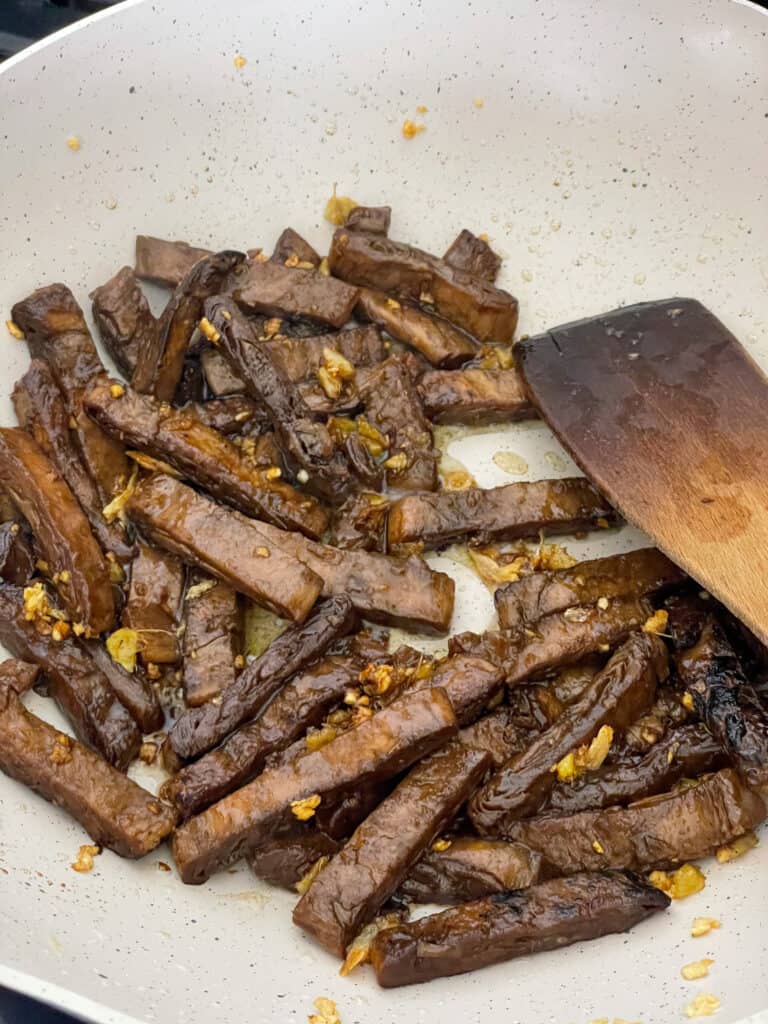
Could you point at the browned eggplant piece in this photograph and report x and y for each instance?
(499, 734)
(687, 614)
(133, 689)
(114, 810)
(211, 639)
(659, 832)
(686, 752)
(17, 562)
(282, 291)
(438, 340)
(473, 255)
(395, 591)
(360, 524)
(471, 683)
(75, 561)
(236, 550)
(363, 464)
(42, 412)
(199, 729)
(166, 263)
(727, 703)
(374, 220)
(285, 862)
(20, 676)
(510, 512)
(358, 881)
(219, 375)
(469, 869)
(204, 456)
(81, 691)
(307, 444)
(153, 605)
(393, 407)
(638, 574)
(56, 331)
(550, 915)
(552, 696)
(233, 414)
(301, 358)
(563, 638)
(381, 747)
(292, 250)
(617, 695)
(371, 261)
(125, 322)
(474, 396)
(343, 813)
(302, 703)
(160, 362)
(667, 712)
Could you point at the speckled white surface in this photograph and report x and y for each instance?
(619, 154)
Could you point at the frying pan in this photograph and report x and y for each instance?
(613, 153)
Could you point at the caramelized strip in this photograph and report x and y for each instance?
(125, 322)
(153, 604)
(166, 263)
(474, 396)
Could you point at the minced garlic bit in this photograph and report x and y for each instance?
(334, 371)
(376, 679)
(657, 623)
(427, 298)
(239, 61)
(209, 331)
(737, 848)
(441, 845)
(123, 646)
(686, 881)
(304, 883)
(61, 752)
(36, 603)
(359, 950)
(74, 143)
(553, 556)
(696, 970)
(588, 757)
(272, 327)
(338, 208)
(421, 109)
(492, 572)
(302, 476)
(393, 304)
(597, 846)
(198, 589)
(84, 860)
(687, 701)
(14, 330)
(321, 738)
(273, 473)
(603, 523)
(116, 508)
(411, 129)
(397, 462)
(324, 267)
(262, 552)
(602, 603)
(60, 631)
(305, 809)
(703, 926)
(148, 752)
(376, 442)
(116, 390)
(64, 576)
(703, 1005)
(457, 480)
(478, 103)
(326, 1012)
(151, 464)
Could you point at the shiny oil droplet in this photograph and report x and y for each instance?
(511, 462)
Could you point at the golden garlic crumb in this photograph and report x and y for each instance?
(703, 1005)
(602, 523)
(588, 757)
(163, 866)
(478, 103)
(273, 473)
(84, 860)
(696, 970)
(116, 390)
(359, 950)
(393, 304)
(602, 603)
(678, 885)
(687, 701)
(60, 631)
(597, 846)
(326, 1012)
(657, 623)
(61, 752)
(457, 480)
(209, 331)
(703, 926)
(123, 646)
(304, 883)
(262, 552)
(321, 738)
(74, 143)
(735, 849)
(421, 109)
(305, 809)
(410, 129)
(148, 752)
(153, 670)
(427, 298)
(272, 327)
(338, 208)
(397, 462)
(441, 845)
(239, 661)
(116, 508)
(239, 62)
(36, 603)
(64, 576)
(324, 267)
(14, 330)
(377, 679)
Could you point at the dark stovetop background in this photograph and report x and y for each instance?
(23, 22)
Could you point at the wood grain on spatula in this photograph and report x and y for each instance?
(666, 412)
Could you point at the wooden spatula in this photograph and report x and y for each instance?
(666, 412)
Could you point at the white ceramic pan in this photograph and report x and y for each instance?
(613, 152)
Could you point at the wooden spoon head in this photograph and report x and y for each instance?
(666, 412)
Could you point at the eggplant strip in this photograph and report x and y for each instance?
(623, 690)
(166, 263)
(232, 548)
(352, 888)
(659, 832)
(153, 605)
(284, 862)
(511, 512)
(474, 396)
(641, 573)
(379, 748)
(203, 456)
(473, 255)
(498, 928)
(114, 810)
(199, 729)
(210, 642)
(75, 562)
(125, 322)
(276, 290)
(17, 563)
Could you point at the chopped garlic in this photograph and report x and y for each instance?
(74, 143)
(326, 1012)
(597, 846)
(680, 884)
(588, 757)
(441, 845)
(376, 679)
(494, 573)
(305, 809)
(198, 589)
(687, 701)
(61, 752)
(657, 623)
(359, 950)
(410, 129)
(84, 860)
(338, 208)
(737, 848)
(703, 1005)
(304, 883)
(321, 738)
(209, 331)
(397, 462)
(116, 390)
(14, 330)
(151, 464)
(123, 645)
(239, 62)
(696, 970)
(116, 508)
(703, 926)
